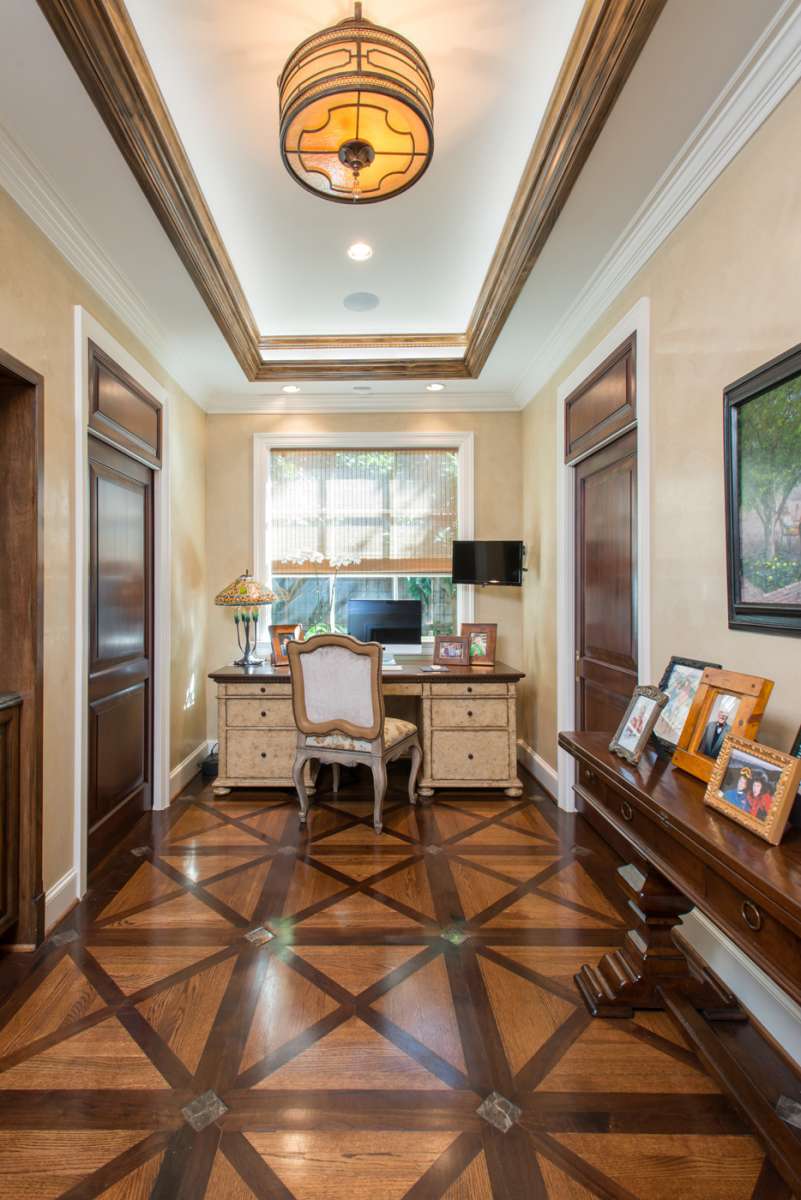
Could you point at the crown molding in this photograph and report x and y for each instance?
(764, 78)
(36, 195)
(374, 402)
(99, 38)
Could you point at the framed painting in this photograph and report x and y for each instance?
(725, 703)
(680, 681)
(762, 458)
(754, 786)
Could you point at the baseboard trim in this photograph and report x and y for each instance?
(60, 898)
(188, 768)
(772, 1008)
(536, 765)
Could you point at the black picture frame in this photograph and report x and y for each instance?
(664, 746)
(743, 614)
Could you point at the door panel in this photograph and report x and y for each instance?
(120, 659)
(606, 584)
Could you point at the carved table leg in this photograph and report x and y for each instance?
(631, 977)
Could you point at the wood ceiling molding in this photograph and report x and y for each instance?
(99, 38)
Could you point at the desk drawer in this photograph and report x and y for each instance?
(475, 754)
(260, 754)
(468, 714)
(262, 713)
(256, 690)
(462, 688)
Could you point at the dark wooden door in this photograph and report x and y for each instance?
(121, 635)
(606, 584)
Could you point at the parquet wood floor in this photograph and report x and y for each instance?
(401, 981)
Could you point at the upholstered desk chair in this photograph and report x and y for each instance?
(339, 711)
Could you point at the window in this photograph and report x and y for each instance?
(347, 518)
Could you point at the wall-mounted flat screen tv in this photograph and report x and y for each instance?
(488, 562)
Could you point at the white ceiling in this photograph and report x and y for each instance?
(217, 60)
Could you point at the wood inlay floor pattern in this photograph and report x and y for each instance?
(354, 1047)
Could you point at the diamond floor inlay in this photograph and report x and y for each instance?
(242, 1009)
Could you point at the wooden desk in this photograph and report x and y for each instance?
(468, 725)
(689, 856)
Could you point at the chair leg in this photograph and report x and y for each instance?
(417, 758)
(379, 769)
(335, 774)
(300, 787)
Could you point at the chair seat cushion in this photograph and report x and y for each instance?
(395, 731)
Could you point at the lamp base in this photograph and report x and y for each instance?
(249, 659)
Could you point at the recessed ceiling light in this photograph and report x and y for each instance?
(291, 389)
(362, 387)
(435, 387)
(361, 301)
(360, 252)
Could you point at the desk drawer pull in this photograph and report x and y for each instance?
(589, 775)
(264, 753)
(263, 713)
(469, 712)
(469, 689)
(262, 690)
(470, 756)
(626, 811)
(751, 915)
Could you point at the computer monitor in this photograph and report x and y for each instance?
(397, 624)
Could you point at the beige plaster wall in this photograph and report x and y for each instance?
(725, 294)
(229, 527)
(38, 292)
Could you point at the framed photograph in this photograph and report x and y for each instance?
(795, 811)
(755, 786)
(725, 703)
(481, 640)
(638, 722)
(679, 682)
(279, 636)
(762, 457)
(451, 650)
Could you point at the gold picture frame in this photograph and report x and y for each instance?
(755, 786)
(725, 702)
(279, 636)
(481, 643)
(451, 650)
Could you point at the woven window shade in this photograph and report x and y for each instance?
(395, 510)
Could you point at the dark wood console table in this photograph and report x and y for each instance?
(684, 855)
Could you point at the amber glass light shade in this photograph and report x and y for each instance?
(356, 105)
(244, 592)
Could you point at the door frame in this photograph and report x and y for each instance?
(636, 321)
(88, 329)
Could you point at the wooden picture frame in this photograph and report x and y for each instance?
(762, 462)
(481, 643)
(451, 650)
(726, 702)
(795, 812)
(638, 721)
(680, 681)
(279, 636)
(742, 767)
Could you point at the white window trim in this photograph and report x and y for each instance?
(462, 441)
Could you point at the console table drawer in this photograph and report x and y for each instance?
(750, 924)
(257, 754)
(469, 689)
(465, 714)
(264, 712)
(475, 754)
(255, 689)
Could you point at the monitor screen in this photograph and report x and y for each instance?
(488, 562)
(397, 624)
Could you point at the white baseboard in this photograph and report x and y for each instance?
(186, 770)
(536, 765)
(772, 1007)
(60, 898)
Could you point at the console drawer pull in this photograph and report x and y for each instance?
(751, 915)
(470, 756)
(470, 690)
(469, 712)
(263, 713)
(626, 811)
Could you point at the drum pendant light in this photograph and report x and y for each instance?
(356, 111)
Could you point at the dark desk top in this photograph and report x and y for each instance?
(410, 673)
(658, 786)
